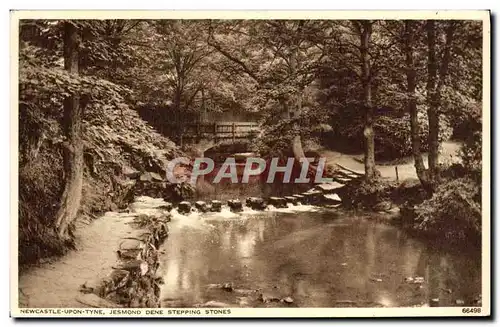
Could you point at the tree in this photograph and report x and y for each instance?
(364, 29)
(73, 149)
(281, 57)
(411, 80)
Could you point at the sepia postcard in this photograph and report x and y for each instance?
(254, 164)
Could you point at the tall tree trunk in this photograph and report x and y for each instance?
(298, 150)
(411, 76)
(73, 151)
(432, 110)
(366, 31)
(434, 88)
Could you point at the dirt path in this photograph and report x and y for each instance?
(405, 170)
(56, 284)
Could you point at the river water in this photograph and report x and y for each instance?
(308, 257)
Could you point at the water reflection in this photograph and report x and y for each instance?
(320, 259)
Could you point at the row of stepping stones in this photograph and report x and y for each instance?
(323, 194)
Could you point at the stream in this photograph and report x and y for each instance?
(306, 256)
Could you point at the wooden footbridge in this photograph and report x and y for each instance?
(220, 131)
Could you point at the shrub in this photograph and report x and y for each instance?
(453, 212)
(364, 194)
(471, 151)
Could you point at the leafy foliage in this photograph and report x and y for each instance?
(453, 212)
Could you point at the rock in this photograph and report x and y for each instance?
(434, 302)
(133, 254)
(277, 202)
(329, 187)
(378, 280)
(136, 267)
(288, 300)
(201, 206)
(167, 206)
(299, 198)
(460, 302)
(267, 297)
(215, 206)
(256, 203)
(184, 207)
(227, 287)
(330, 199)
(146, 177)
(156, 177)
(131, 244)
(95, 286)
(343, 180)
(312, 196)
(382, 206)
(235, 205)
(130, 172)
(291, 199)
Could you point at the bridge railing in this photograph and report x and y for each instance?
(221, 130)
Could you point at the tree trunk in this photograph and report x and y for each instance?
(366, 31)
(432, 110)
(434, 88)
(412, 105)
(73, 151)
(298, 151)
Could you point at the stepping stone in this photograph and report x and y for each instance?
(256, 203)
(201, 206)
(299, 198)
(312, 197)
(235, 205)
(167, 206)
(277, 202)
(331, 199)
(184, 207)
(329, 187)
(215, 206)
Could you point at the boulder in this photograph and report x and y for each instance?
(235, 205)
(277, 202)
(215, 206)
(184, 207)
(256, 203)
(201, 206)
